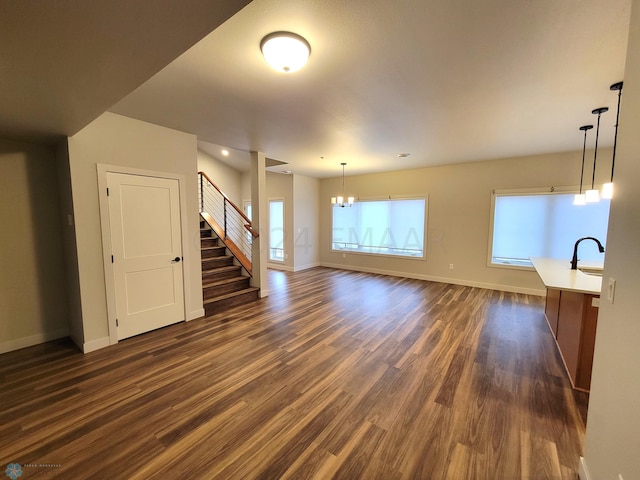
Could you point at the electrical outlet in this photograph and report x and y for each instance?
(344, 255)
(451, 266)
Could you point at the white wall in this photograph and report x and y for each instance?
(280, 187)
(612, 444)
(116, 140)
(226, 178)
(33, 292)
(305, 228)
(459, 199)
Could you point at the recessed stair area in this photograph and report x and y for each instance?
(223, 284)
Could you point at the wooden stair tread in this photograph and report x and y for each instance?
(224, 281)
(216, 259)
(225, 268)
(230, 295)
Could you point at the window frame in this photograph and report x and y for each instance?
(554, 190)
(422, 257)
(284, 257)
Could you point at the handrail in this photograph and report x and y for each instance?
(229, 223)
(237, 209)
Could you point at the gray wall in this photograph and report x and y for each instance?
(116, 140)
(613, 423)
(33, 292)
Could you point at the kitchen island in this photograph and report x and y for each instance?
(571, 309)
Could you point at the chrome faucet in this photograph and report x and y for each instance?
(574, 260)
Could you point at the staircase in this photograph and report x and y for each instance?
(223, 285)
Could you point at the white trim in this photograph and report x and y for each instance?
(425, 240)
(279, 266)
(32, 340)
(105, 225)
(284, 238)
(431, 278)
(583, 471)
(300, 268)
(536, 190)
(97, 344)
(518, 192)
(195, 314)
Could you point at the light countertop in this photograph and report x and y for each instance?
(557, 274)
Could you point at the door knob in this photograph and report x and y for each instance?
(175, 260)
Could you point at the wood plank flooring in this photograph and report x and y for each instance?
(336, 374)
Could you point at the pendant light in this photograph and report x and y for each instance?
(607, 188)
(593, 195)
(339, 200)
(579, 199)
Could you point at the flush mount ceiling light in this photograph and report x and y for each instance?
(580, 199)
(285, 51)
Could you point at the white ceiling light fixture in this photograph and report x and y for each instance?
(285, 51)
(339, 200)
(225, 152)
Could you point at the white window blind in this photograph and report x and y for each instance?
(383, 227)
(545, 225)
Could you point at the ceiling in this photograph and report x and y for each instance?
(65, 62)
(448, 81)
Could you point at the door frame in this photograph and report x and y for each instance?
(105, 225)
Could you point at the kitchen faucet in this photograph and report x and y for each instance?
(574, 260)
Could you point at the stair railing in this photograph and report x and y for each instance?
(228, 221)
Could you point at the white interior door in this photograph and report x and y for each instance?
(144, 215)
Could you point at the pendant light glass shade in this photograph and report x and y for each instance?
(592, 196)
(607, 190)
(580, 198)
(285, 51)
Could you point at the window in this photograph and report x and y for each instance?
(276, 230)
(381, 227)
(544, 224)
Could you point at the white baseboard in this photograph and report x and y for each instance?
(300, 268)
(263, 293)
(32, 340)
(583, 471)
(196, 314)
(279, 266)
(94, 345)
(431, 278)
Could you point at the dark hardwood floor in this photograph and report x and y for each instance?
(336, 374)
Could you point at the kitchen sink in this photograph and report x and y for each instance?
(594, 271)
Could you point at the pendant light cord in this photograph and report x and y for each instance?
(617, 86)
(599, 111)
(584, 148)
